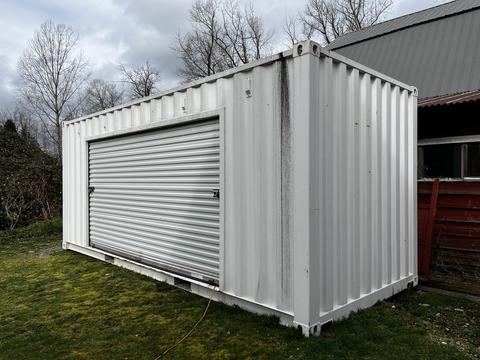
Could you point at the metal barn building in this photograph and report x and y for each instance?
(286, 186)
(437, 49)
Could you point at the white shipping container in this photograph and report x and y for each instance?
(286, 186)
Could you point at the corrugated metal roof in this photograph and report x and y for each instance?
(438, 57)
(402, 22)
(451, 99)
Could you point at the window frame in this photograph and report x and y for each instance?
(463, 141)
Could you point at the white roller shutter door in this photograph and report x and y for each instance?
(154, 198)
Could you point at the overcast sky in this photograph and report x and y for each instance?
(126, 31)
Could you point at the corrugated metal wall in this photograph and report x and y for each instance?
(363, 136)
(319, 171)
(256, 267)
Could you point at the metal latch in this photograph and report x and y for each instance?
(216, 193)
(91, 189)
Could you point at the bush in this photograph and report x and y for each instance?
(30, 180)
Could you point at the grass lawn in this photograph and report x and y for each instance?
(56, 304)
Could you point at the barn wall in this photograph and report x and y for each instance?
(456, 227)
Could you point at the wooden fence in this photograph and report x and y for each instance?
(449, 227)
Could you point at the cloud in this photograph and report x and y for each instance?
(8, 79)
(126, 31)
(148, 32)
(404, 7)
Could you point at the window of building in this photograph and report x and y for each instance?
(473, 160)
(457, 160)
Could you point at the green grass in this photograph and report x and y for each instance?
(56, 304)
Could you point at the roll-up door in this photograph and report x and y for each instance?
(154, 198)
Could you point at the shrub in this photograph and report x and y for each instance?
(30, 180)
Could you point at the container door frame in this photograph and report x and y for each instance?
(158, 125)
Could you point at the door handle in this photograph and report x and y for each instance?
(91, 189)
(216, 193)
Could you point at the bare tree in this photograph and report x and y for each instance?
(243, 37)
(296, 30)
(52, 71)
(361, 13)
(14, 201)
(331, 19)
(141, 79)
(223, 36)
(101, 95)
(197, 48)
